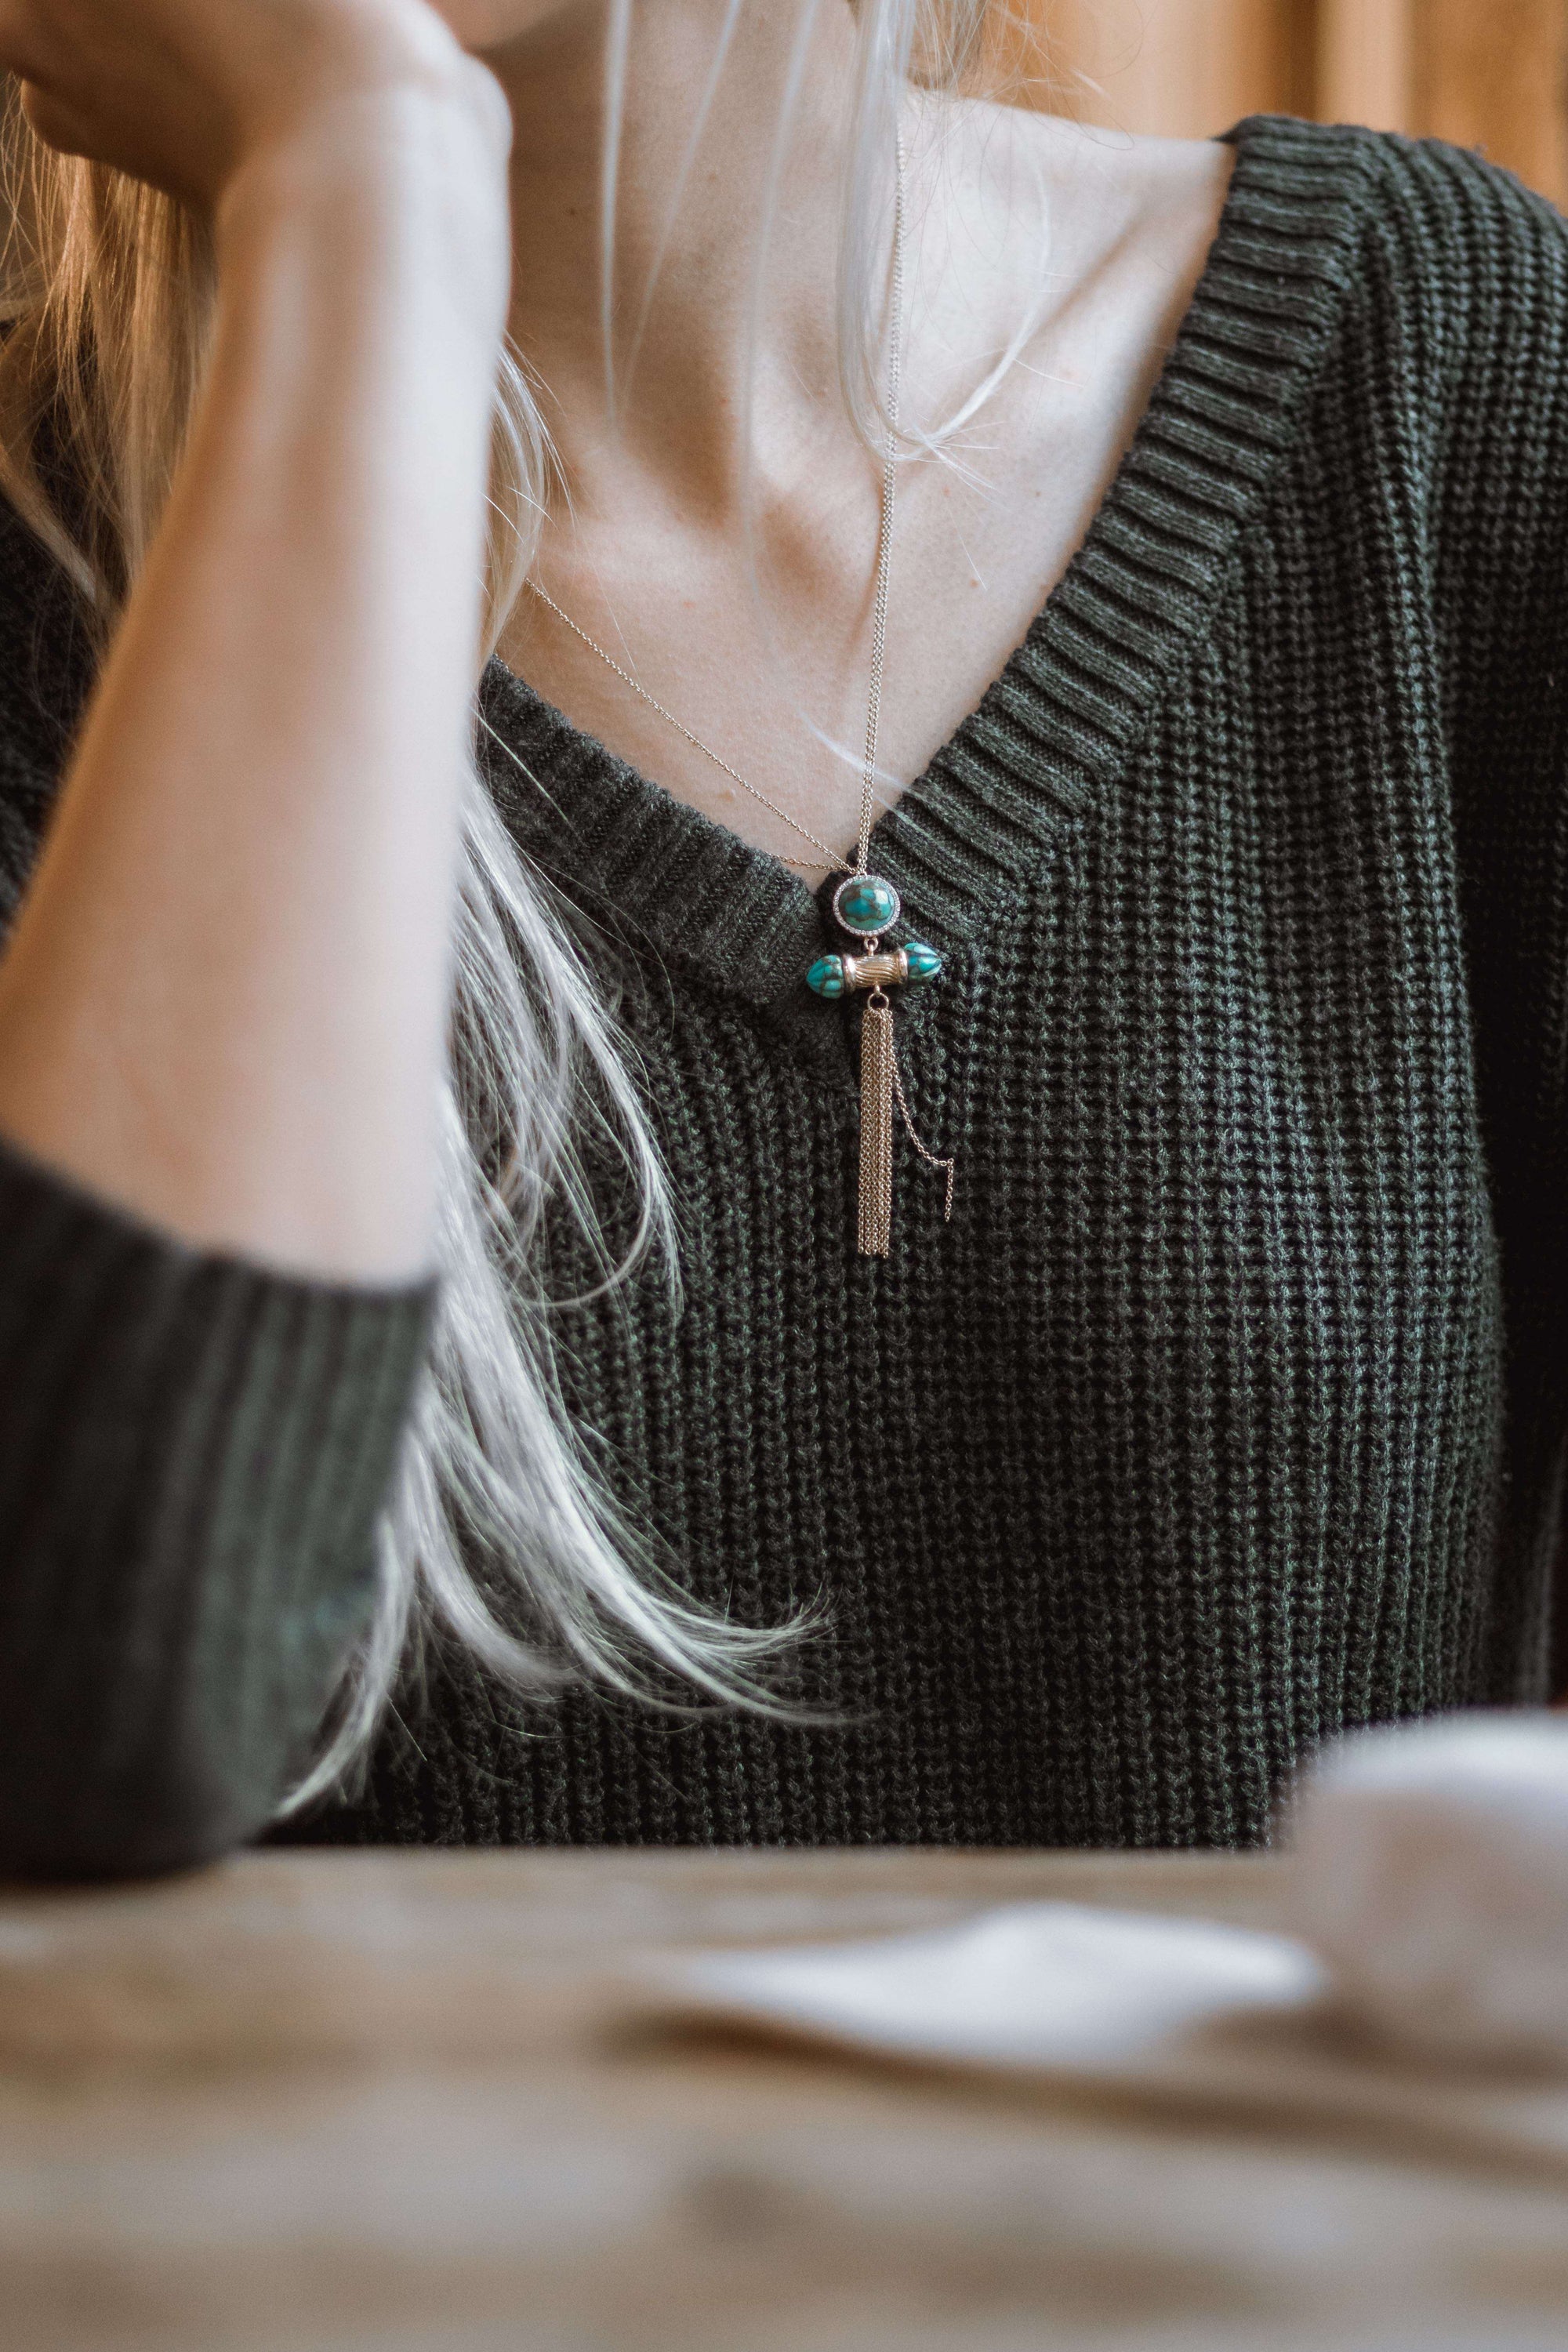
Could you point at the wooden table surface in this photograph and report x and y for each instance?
(326, 2103)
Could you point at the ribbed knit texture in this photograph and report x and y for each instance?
(193, 1456)
(1230, 1407)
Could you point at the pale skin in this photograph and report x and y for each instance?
(224, 1004)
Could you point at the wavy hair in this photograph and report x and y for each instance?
(500, 1531)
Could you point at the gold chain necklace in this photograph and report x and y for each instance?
(864, 905)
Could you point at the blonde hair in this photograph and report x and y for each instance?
(110, 304)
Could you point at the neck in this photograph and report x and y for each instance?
(687, 370)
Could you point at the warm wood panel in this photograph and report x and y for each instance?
(1365, 52)
(1492, 74)
(1496, 76)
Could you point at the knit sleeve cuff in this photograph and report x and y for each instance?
(195, 1454)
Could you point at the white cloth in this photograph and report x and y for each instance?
(1169, 2011)
(1424, 1994)
(1036, 1984)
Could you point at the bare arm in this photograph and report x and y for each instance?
(224, 1000)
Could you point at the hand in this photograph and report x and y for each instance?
(182, 93)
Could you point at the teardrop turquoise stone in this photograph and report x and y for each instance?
(826, 977)
(924, 963)
(867, 904)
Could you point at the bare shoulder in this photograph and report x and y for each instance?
(1143, 172)
(1112, 199)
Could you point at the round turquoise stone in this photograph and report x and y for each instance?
(924, 963)
(826, 977)
(866, 904)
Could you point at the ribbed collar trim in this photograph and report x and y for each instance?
(1057, 728)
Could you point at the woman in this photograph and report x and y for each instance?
(1213, 640)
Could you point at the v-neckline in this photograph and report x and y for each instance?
(1058, 725)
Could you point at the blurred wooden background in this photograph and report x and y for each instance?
(1486, 73)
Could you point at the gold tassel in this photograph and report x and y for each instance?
(878, 1075)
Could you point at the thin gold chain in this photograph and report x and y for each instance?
(947, 1169)
(885, 535)
(879, 610)
(695, 741)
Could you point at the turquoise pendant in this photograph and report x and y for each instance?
(867, 904)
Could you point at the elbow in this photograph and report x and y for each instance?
(133, 1757)
(85, 1819)
(158, 1843)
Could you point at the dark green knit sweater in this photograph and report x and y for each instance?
(1231, 1407)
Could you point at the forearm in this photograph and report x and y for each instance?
(224, 1001)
